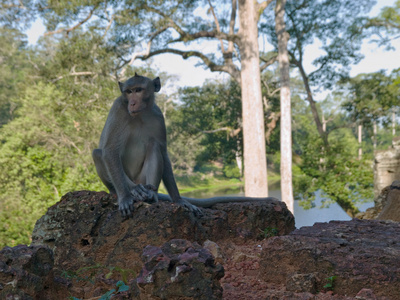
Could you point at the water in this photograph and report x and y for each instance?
(303, 217)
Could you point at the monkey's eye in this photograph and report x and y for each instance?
(138, 90)
(129, 91)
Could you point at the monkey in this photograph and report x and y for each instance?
(132, 156)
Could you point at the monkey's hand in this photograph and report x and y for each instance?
(193, 208)
(153, 193)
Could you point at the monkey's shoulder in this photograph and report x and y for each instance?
(157, 111)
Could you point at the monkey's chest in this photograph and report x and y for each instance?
(139, 151)
(134, 156)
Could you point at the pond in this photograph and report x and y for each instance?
(302, 216)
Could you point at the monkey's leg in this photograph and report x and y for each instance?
(152, 170)
(102, 171)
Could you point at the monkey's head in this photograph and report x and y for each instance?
(138, 91)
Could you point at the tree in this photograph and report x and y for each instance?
(286, 114)
(16, 67)
(255, 161)
(335, 173)
(387, 24)
(370, 98)
(212, 116)
(215, 119)
(336, 25)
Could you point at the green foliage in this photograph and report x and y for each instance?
(121, 287)
(312, 21)
(215, 111)
(386, 25)
(369, 98)
(270, 232)
(213, 132)
(330, 283)
(231, 171)
(88, 274)
(335, 172)
(16, 66)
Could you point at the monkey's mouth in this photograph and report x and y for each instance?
(136, 112)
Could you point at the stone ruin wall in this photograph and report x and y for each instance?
(386, 166)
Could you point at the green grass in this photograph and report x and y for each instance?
(209, 182)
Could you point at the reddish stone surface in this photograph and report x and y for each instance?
(242, 279)
(360, 253)
(180, 269)
(85, 229)
(27, 273)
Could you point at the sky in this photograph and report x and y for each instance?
(188, 74)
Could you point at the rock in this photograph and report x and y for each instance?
(379, 202)
(215, 250)
(26, 273)
(387, 166)
(387, 205)
(180, 270)
(85, 229)
(391, 209)
(366, 294)
(360, 253)
(301, 283)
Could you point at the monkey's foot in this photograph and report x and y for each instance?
(193, 208)
(140, 193)
(126, 206)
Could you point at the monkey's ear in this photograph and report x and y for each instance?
(157, 84)
(136, 75)
(121, 85)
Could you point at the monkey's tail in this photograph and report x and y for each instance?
(208, 202)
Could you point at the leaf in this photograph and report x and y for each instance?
(107, 295)
(122, 287)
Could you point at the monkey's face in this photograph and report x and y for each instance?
(138, 99)
(138, 92)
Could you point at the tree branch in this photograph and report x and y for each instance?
(232, 132)
(268, 62)
(74, 74)
(261, 7)
(217, 25)
(185, 37)
(145, 53)
(269, 91)
(74, 27)
(108, 26)
(228, 66)
(232, 70)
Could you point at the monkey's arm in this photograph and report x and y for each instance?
(208, 202)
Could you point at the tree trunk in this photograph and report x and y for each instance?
(286, 115)
(255, 161)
